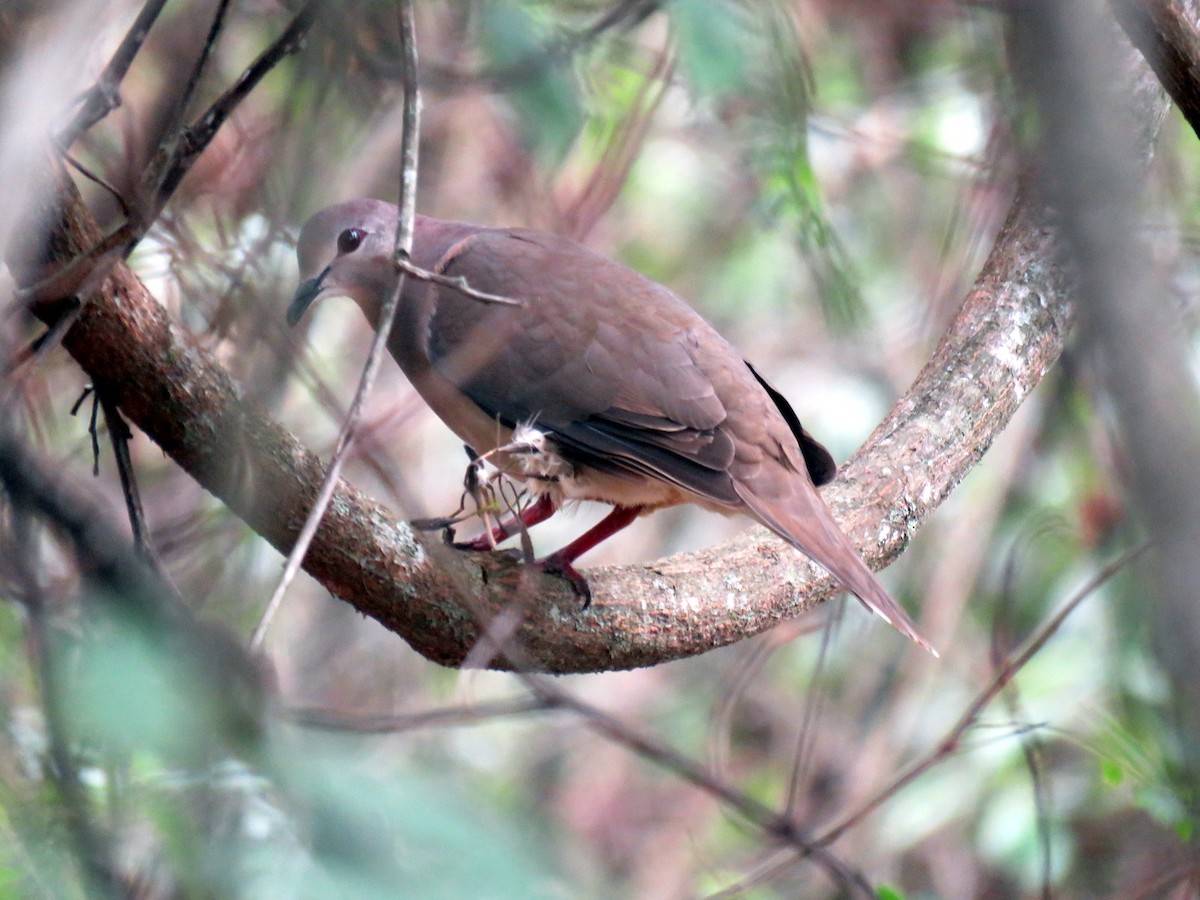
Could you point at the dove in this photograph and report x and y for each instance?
(581, 379)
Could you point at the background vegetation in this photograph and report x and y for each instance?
(823, 181)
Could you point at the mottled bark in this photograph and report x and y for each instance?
(1165, 32)
(1008, 332)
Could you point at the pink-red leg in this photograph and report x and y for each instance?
(538, 511)
(561, 562)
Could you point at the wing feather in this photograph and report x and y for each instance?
(620, 384)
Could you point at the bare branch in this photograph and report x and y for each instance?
(1016, 661)
(105, 95)
(1007, 334)
(404, 241)
(1170, 42)
(449, 716)
(120, 436)
(458, 282)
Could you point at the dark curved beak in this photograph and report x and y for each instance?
(304, 296)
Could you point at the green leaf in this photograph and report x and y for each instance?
(1112, 772)
(711, 41)
(538, 81)
(371, 834)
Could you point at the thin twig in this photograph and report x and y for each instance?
(1030, 744)
(735, 686)
(777, 825)
(1031, 749)
(196, 138)
(176, 133)
(404, 241)
(206, 50)
(458, 282)
(120, 435)
(970, 716)
(620, 153)
(814, 699)
(97, 179)
(498, 634)
(449, 716)
(409, 151)
(105, 95)
(78, 276)
(771, 867)
(90, 392)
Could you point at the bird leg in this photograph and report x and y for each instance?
(480, 477)
(480, 486)
(538, 511)
(561, 562)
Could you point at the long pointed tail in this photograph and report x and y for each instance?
(803, 519)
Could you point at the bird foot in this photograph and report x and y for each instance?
(444, 524)
(559, 566)
(440, 523)
(482, 545)
(478, 544)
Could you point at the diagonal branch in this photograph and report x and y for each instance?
(1170, 41)
(105, 95)
(403, 250)
(175, 161)
(1008, 332)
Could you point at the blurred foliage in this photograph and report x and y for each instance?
(823, 180)
(541, 89)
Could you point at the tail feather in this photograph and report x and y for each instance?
(804, 521)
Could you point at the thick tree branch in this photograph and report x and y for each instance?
(1007, 334)
(1166, 34)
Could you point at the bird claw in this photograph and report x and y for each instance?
(439, 523)
(479, 544)
(444, 524)
(562, 568)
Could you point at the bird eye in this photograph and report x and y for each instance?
(349, 240)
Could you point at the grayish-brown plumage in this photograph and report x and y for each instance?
(618, 390)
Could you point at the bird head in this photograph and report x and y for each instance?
(346, 250)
